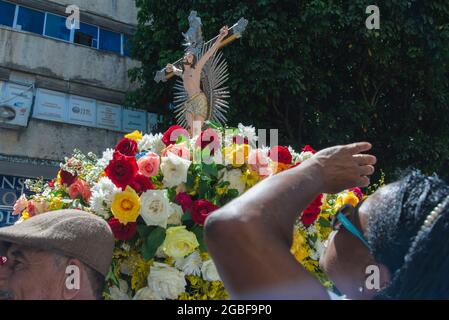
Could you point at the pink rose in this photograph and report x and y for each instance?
(20, 205)
(259, 163)
(149, 164)
(37, 207)
(80, 188)
(181, 150)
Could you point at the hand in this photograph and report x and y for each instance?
(169, 68)
(224, 32)
(343, 167)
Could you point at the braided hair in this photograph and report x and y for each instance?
(417, 254)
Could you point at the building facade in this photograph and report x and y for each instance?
(62, 85)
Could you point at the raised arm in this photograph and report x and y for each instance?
(250, 238)
(223, 33)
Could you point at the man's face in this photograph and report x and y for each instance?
(31, 274)
(188, 59)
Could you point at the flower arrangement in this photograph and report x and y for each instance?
(156, 191)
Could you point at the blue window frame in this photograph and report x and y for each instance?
(87, 35)
(7, 12)
(110, 41)
(127, 45)
(55, 27)
(31, 20)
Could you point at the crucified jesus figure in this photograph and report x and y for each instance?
(197, 108)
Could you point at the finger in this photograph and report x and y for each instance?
(358, 147)
(366, 170)
(363, 182)
(365, 159)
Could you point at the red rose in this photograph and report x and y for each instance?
(51, 184)
(280, 154)
(127, 147)
(209, 138)
(140, 184)
(239, 140)
(122, 170)
(312, 211)
(3, 260)
(184, 200)
(358, 192)
(67, 178)
(173, 133)
(201, 209)
(121, 231)
(308, 148)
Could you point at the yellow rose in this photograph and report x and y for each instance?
(126, 206)
(346, 198)
(236, 155)
(136, 136)
(56, 204)
(250, 178)
(179, 242)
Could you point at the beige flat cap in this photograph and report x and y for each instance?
(72, 233)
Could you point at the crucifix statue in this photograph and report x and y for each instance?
(199, 91)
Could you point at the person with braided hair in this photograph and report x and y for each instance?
(402, 230)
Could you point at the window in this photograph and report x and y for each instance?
(87, 35)
(110, 41)
(7, 12)
(30, 20)
(55, 27)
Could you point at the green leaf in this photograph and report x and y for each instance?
(324, 222)
(111, 275)
(152, 243)
(232, 193)
(143, 230)
(186, 217)
(210, 170)
(213, 124)
(181, 139)
(171, 194)
(199, 233)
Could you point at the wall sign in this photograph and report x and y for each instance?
(153, 121)
(82, 111)
(50, 105)
(61, 107)
(109, 116)
(134, 120)
(19, 98)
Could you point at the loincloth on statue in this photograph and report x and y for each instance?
(198, 106)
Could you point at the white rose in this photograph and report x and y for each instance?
(209, 271)
(190, 265)
(150, 142)
(155, 208)
(305, 155)
(175, 215)
(174, 169)
(167, 282)
(120, 292)
(146, 294)
(234, 177)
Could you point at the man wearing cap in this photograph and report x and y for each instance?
(60, 255)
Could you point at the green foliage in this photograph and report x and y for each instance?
(313, 70)
(153, 242)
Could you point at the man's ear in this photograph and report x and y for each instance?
(74, 279)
